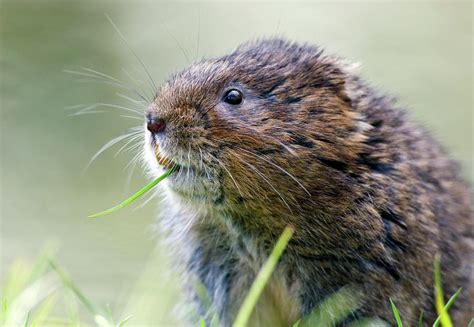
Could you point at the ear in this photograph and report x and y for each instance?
(350, 71)
(349, 67)
(348, 89)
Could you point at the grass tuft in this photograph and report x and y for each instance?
(263, 276)
(442, 308)
(396, 314)
(443, 317)
(335, 308)
(439, 296)
(448, 305)
(30, 294)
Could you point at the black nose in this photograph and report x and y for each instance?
(155, 125)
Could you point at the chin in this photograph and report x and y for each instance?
(188, 185)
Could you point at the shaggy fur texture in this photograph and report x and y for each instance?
(371, 196)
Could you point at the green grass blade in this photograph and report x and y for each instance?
(32, 295)
(448, 305)
(420, 319)
(439, 297)
(370, 322)
(27, 320)
(102, 321)
(263, 276)
(135, 196)
(205, 301)
(99, 319)
(67, 281)
(16, 280)
(43, 311)
(396, 314)
(124, 321)
(335, 308)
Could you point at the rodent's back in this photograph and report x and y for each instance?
(371, 196)
(431, 195)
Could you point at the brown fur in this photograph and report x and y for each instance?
(371, 196)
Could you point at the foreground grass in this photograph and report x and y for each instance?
(30, 294)
(262, 279)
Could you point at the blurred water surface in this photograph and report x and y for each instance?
(420, 52)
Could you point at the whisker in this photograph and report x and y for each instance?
(134, 160)
(111, 105)
(114, 82)
(278, 23)
(115, 106)
(131, 117)
(287, 148)
(140, 84)
(81, 112)
(83, 109)
(180, 172)
(134, 53)
(92, 106)
(151, 196)
(134, 146)
(267, 181)
(89, 108)
(176, 41)
(87, 111)
(132, 165)
(130, 172)
(137, 102)
(189, 165)
(132, 139)
(276, 166)
(203, 165)
(112, 143)
(229, 173)
(97, 74)
(76, 106)
(198, 31)
(75, 72)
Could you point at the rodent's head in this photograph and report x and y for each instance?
(254, 129)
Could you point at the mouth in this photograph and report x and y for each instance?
(164, 161)
(186, 179)
(189, 181)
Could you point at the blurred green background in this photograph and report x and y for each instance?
(420, 52)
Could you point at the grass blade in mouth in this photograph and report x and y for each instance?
(135, 196)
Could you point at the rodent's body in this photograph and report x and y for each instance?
(372, 197)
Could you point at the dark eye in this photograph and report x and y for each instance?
(233, 96)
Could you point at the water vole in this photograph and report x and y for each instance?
(278, 134)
